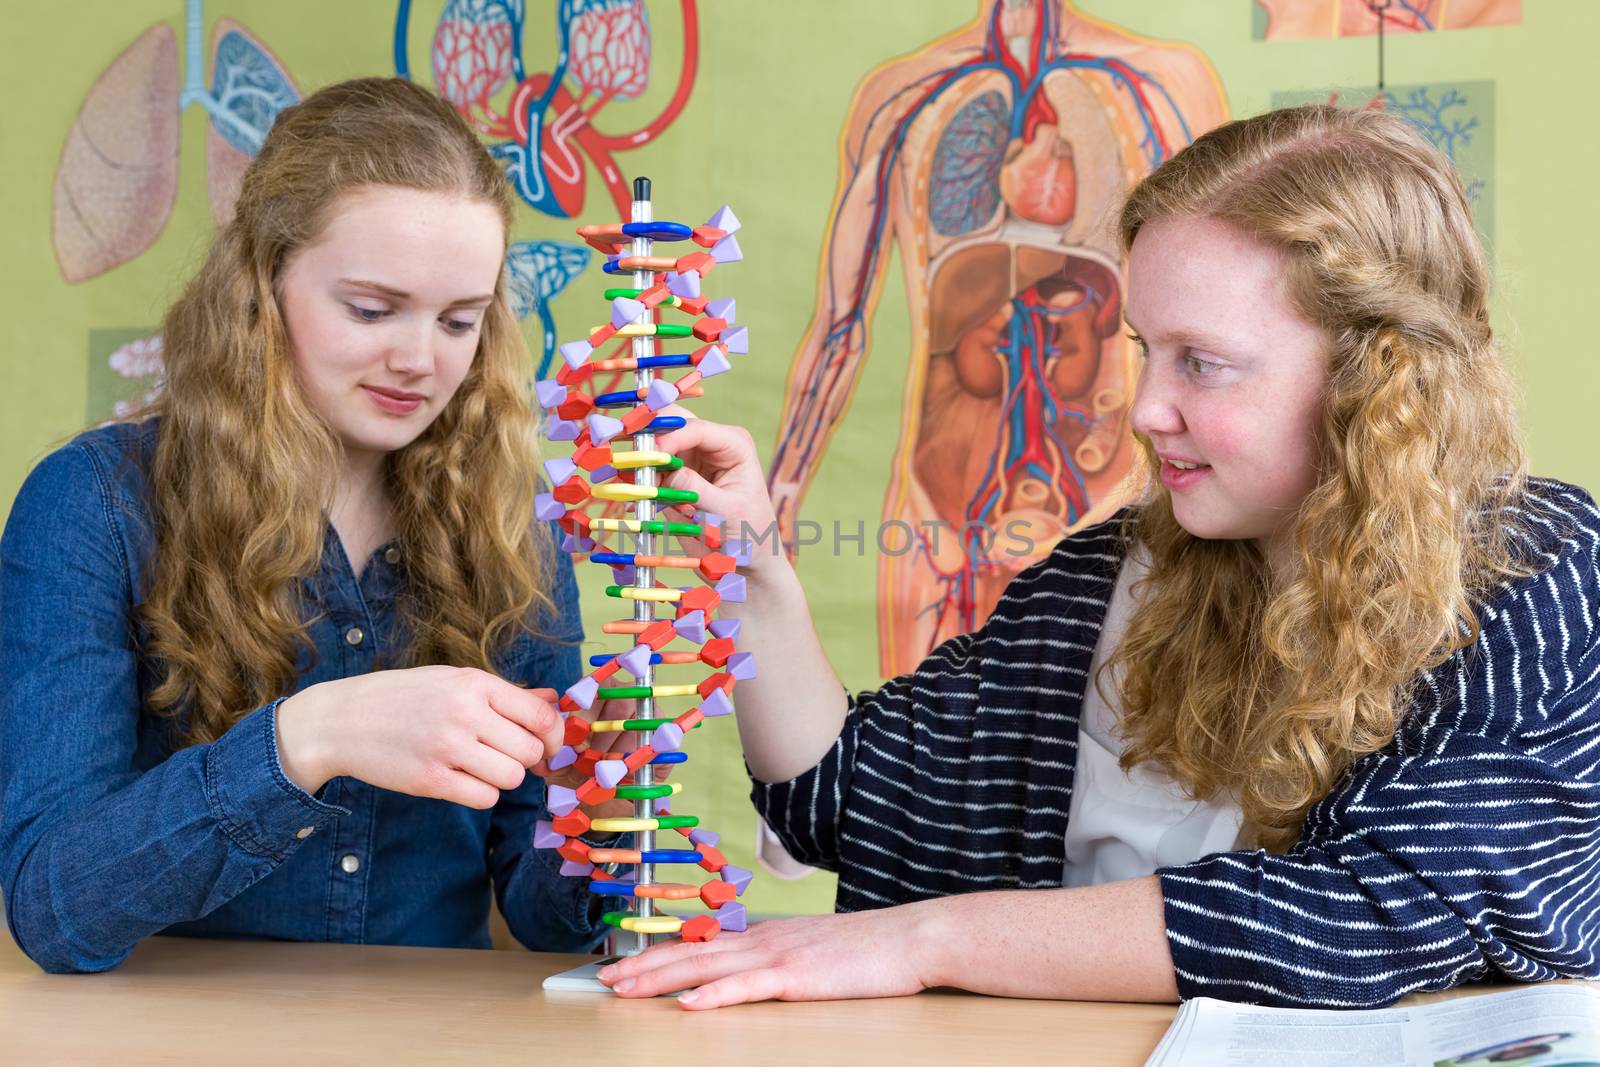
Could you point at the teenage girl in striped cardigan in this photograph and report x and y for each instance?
(1313, 724)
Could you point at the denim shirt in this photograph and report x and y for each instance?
(110, 831)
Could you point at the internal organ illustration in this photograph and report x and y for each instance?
(1299, 19)
(118, 177)
(995, 158)
(547, 128)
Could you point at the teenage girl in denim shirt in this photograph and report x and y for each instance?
(263, 648)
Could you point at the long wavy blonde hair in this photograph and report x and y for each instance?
(244, 469)
(1268, 687)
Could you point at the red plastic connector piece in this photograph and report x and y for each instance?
(592, 793)
(717, 650)
(578, 729)
(701, 928)
(591, 457)
(715, 565)
(576, 822)
(576, 407)
(710, 329)
(702, 598)
(712, 683)
(716, 894)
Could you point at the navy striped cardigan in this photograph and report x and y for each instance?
(1467, 848)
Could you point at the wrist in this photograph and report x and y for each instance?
(301, 752)
(936, 930)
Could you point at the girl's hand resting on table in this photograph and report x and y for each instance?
(815, 957)
(454, 733)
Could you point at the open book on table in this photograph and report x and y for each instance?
(1536, 1026)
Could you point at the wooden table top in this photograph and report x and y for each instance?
(191, 1000)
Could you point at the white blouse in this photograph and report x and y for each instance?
(1126, 825)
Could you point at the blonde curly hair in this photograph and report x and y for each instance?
(1267, 687)
(243, 471)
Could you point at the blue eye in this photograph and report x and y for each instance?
(459, 328)
(366, 314)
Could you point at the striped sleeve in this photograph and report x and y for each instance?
(806, 812)
(957, 776)
(1468, 847)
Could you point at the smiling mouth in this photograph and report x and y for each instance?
(394, 394)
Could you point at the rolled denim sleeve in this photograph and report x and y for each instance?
(96, 854)
(545, 911)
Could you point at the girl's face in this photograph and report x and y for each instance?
(384, 310)
(1231, 392)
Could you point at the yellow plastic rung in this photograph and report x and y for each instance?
(628, 460)
(624, 825)
(660, 596)
(623, 491)
(633, 329)
(653, 924)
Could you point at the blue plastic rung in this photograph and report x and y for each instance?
(658, 231)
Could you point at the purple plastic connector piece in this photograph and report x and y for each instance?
(573, 869)
(661, 393)
(545, 836)
(624, 575)
(692, 627)
(625, 309)
(561, 800)
(636, 660)
(575, 545)
(721, 308)
(560, 469)
(731, 588)
(608, 772)
(602, 474)
(742, 665)
(547, 507)
(737, 338)
(550, 392)
(727, 250)
(603, 428)
(576, 353)
(713, 363)
(733, 918)
(705, 837)
(564, 430)
(564, 758)
(728, 628)
(716, 704)
(737, 877)
(724, 220)
(668, 737)
(740, 549)
(686, 285)
(583, 691)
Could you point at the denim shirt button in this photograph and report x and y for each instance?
(350, 864)
(305, 832)
(354, 636)
(392, 556)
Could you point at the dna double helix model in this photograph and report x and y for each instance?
(599, 470)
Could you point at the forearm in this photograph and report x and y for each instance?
(793, 710)
(1103, 942)
(168, 846)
